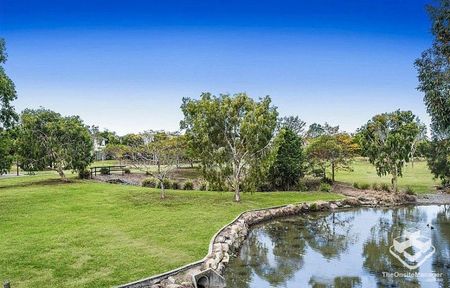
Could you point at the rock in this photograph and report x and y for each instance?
(333, 206)
(351, 201)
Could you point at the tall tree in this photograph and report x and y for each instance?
(49, 140)
(433, 69)
(388, 139)
(8, 115)
(293, 123)
(288, 163)
(227, 133)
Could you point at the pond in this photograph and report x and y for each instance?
(352, 248)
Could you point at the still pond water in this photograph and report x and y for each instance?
(345, 249)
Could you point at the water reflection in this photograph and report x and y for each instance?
(343, 249)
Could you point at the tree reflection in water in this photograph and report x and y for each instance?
(342, 250)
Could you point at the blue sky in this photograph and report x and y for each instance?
(125, 65)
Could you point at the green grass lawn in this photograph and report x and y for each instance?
(89, 234)
(419, 177)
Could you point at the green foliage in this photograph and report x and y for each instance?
(6, 151)
(8, 93)
(364, 186)
(335, 151)
(188, 185)
(325, 187)
(409, 190)
(150, 182)
(48, 140)
(356, 185)
(8, 116)
(84, 174)
(167, 183)
(434, 69)
(203, 186)
(229, 135)
(104, 171)
(309, 184)
(293, 123)
(288, 165)
(175, 185)
(387, 139)
(439, 160)
(385, 187)
(434, 77)
(376, 186)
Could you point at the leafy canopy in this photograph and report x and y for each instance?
(228, 134)
(49, 140)
(387, 140)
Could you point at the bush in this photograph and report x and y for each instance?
(409, 190)
(364, 186)
(325, 187)
(385, 187)
(301, 186)
(188, 185)
(147, 173)
(376, 187)
(308, 184)
(176, 185)
(167, 183)
(203, 186)
(126, 171)
(104, 171)
(356, 185)
(84, 174)
(150, 182)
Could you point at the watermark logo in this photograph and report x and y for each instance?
(412, 249)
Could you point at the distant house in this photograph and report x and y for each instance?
(99, 146)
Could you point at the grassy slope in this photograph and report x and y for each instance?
(419, 177)
(87, 234)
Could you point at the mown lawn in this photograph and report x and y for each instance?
(89, 234)
(419, 177)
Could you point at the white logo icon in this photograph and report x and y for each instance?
(412, 249)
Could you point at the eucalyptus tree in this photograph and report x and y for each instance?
(433, 69)
(388, 140)
(8, 116)
(48, 140)
(227, 133)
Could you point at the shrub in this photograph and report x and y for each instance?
(385, 187)
(175, 185)
(147, 173)
(84, 174)
(104, 171)
(188, 185)
(409, 190)
(203, 186)
(308, 184)
(301, 186)
(356, 185)
(167, 183)
(376, 186)
(126, 171)
(364, 186)
(313, 207)
(150, 182)
(325, 187)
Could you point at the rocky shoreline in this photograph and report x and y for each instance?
(229, 238)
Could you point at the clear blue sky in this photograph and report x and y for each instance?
(125, 65)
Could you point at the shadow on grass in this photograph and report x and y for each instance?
(46, 182)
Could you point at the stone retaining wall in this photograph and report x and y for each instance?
(228, 239)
